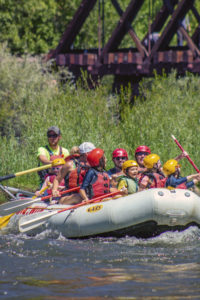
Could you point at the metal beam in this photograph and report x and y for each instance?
(172, 27)
(131, 31)
(123, 26)
(160, 19)
(73, 27)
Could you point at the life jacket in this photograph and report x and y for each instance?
(182, 186)
(156, 180)
(101, 185)
(74, 158)
(140, 172)
(132, 184)
(76, 176)
(51, 180)
(42, 173)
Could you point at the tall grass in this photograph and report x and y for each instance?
(33, 99)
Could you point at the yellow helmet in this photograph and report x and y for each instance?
(150, 160)
(58, 162)
(170, 167)
(128, 164)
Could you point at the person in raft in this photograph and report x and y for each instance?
(119, 156)
(74, 170)
(49, 178)
(153, 177)
(96, 181)
(171, 169)
(140, 153)
(51, 151)
(128, 183)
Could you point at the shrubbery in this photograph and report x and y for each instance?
(32, 99)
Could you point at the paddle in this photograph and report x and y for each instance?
(5, 220)
(30, 222)
(15, 206)
(187, 156)
(16, 191)
(24, 172)
(7, 192)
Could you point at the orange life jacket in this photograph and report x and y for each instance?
(76, 176)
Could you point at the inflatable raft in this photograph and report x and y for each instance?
(144, 214)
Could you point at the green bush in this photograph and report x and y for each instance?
(32, 99)
(34, 27)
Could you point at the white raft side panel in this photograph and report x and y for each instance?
(105, 216)
(176, 207)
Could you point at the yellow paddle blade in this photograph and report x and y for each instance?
(5, 220)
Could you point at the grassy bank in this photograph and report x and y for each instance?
(31, 100)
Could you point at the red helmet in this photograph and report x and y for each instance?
(119, 152)
(94, 157)
(143, 148)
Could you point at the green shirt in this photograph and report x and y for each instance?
(45, 152)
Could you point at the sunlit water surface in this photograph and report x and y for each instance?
(49, 266)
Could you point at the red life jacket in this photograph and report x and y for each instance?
(51, 179)
(76, 176)
(156, 180)
(72, 157)
(100, 187)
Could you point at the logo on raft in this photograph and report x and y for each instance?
(94, 208)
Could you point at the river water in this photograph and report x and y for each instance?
(49, 266)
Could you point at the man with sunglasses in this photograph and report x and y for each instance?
(140, 153)
(119, 156)
(51, 151)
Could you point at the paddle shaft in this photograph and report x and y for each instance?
(187, 156)
(25, 172)
(30, 222)
(90, 201)
(15, 206)
(7, 192)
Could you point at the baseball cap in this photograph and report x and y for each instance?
(54, 129)
(86, 147)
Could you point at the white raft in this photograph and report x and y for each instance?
(144, 214)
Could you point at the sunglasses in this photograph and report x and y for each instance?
(142, 153)
(55, 168)
(52, 135)
(121, 157)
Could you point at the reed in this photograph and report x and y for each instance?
(32, 99)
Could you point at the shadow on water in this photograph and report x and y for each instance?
(50, 266)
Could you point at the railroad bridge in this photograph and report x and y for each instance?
(154, 52)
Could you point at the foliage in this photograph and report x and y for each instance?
(35, 27)
(32, 99)
(30, 26)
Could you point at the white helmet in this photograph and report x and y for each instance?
(86, 147)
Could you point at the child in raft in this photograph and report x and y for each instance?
(49, 178)
(172, 170)
(96, 181)
(128, 183)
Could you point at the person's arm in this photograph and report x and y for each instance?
(43, 155)
(44, 160)
(182, 155)
(61, 175)
(86, 182)
(144, 183)
(122, 186)
(44, 187)
(83, 195)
